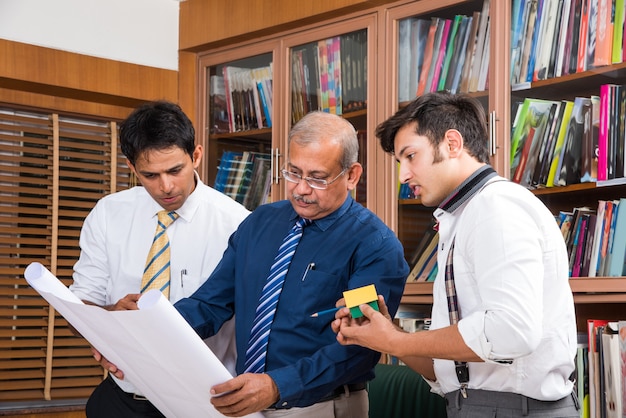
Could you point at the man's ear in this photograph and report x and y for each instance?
(133, 170)
(354, 175)
(131, 166)
(454, 140)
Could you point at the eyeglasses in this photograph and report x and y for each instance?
(319, 184)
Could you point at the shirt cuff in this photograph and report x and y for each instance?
(472, 330)
(289, 386)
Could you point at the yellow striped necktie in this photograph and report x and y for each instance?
(156, 275)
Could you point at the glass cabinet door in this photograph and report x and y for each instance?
(238, 122)
(329, 73)
(439, 46)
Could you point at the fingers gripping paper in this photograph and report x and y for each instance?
(154, 346)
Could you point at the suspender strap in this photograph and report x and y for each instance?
(461, 368)
(458, 197)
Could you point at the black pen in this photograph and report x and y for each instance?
(311, 266)
(183, 272)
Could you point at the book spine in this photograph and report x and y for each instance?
(263, 99)
(618, 31)
(441, 55)
(603, 132)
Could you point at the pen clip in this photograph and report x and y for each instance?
(311, 266)
(183, 273)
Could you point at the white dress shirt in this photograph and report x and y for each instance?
(116, 238)
(516, 306)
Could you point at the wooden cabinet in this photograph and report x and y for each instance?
(317, 67)
(238, 120)
(328, 67)
(413, 218)
(600, 297)
(379, 23)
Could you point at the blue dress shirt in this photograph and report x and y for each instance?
(349, 248)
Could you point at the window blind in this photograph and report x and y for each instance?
(53, 169)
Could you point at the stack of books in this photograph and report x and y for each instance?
(245, 177)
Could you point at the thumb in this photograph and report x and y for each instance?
(367, 310)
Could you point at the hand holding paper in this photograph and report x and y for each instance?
(154, 346)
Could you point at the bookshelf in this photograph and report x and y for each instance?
(594, 296)
(328, 67)
(381, 22)
(412, 217)
(315, 67)
(238, 120)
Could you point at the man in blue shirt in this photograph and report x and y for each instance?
(307, 372)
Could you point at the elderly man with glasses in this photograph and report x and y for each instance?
(289, 260)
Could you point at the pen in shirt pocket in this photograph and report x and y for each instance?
(311, 266)
(183, 273)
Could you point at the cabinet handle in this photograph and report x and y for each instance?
(272, 163)
(492, 133)
(276, 167)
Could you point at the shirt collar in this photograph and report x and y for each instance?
(468, 188)
(327, 221)
(190, 207)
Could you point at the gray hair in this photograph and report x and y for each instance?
(316, 125)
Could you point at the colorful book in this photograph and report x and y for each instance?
(594, 364)
(597, 239)
(266, 118)
(562, 37)
(533, 116)
(604, 33)
(527, 42)
(603, 132)
(576, 258)
(469, 54)
(544, 159)
(443, 46)
(218, 107)
(458, 60)
(610, 211)
(546, 34)
(554, 47)
(618, 31)
(519, 11)
(621, 332)
(588, 245)
(581, 61)
(592, 20)
(541, 137)
(572, 148)
(419, 34)
(610, 237)
(555, 164)
(574, 34)
(482, 36)
(428, 56)
(588, 161)
(404, 59)
(614, 163)
(618, 244)
(451, 48)
(535, 42)
(582, 373)
(424, 263)
(613, 381)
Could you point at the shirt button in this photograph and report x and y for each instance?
(284, 404)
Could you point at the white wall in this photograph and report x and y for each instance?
(142, 32)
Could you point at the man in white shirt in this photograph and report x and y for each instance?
(511, 351)
(158, 141)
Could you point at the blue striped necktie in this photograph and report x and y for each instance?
(156, 275)
(259, 334)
